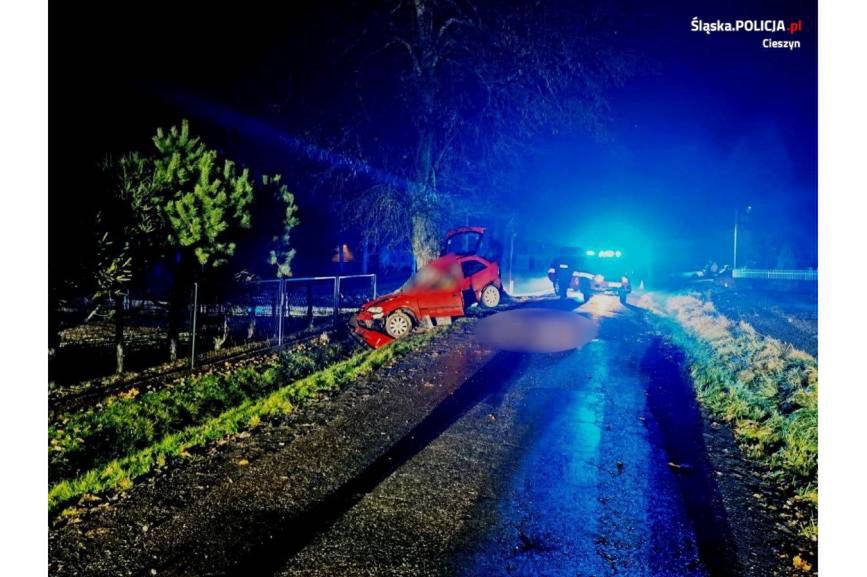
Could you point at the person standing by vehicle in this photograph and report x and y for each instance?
(561, 270)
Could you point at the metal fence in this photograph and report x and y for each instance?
(776, 274)
(209, 322)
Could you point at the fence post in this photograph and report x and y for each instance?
(336, 299)
(281, 286)
(193, 332)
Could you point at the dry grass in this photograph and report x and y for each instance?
(766, 389)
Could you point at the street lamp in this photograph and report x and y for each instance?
(747, 210)
(511, 261)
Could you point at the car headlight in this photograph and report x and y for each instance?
(598, 279)
(375, 310)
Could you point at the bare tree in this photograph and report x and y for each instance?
(451, 95)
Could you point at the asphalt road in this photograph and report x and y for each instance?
(588, 462)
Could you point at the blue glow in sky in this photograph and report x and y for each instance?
(714, 122)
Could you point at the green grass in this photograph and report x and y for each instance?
(128, 422)
(765, 389)
(120, 473)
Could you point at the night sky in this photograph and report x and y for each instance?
(718, 122)
(707, 124)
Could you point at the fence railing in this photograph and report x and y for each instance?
(207, 322)
(290, 307)
(776, 274)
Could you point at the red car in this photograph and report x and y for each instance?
(442, 288)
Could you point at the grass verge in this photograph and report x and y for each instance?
(120, 473)
(127, 422)
(765, 389)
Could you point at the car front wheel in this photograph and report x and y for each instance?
(398, 325)
(490, 297)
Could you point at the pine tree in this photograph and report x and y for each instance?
(207, 198)
(206, 202)
(187, 205)
(281, 253)
(123, 241)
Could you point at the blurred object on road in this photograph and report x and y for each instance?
(535, 331)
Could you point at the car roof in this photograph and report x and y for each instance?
(465, 230)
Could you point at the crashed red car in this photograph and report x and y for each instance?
(442, 288)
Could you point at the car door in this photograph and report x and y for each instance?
(473, 270)
(442, 297)
(462, 241)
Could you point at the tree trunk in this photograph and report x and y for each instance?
(221, 340)
(179, 296)
(424, 234)
(424, 239)
(118, 333)
(251, 323)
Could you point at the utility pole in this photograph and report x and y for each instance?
(735, 250)
(511, 262)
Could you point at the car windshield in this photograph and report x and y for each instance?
(431, 278)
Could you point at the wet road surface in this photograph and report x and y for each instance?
(589, 462)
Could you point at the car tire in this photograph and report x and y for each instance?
(490, 297)
(398, 325)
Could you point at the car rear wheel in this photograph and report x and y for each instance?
(490, 297)
(398, 324)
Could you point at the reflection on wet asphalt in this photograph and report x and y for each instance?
(593, 494)
(561, 470)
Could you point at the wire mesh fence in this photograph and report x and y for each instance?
(161, 328)
(776, 274)
(783, 280)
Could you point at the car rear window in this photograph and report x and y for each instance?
(471, 267)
